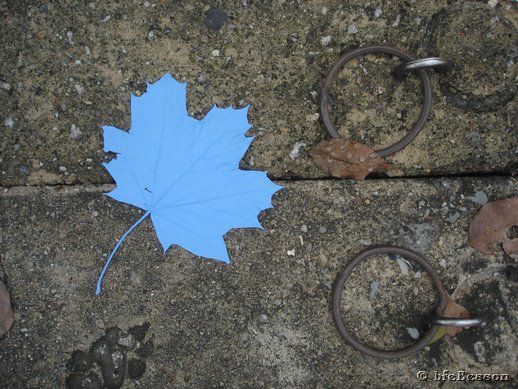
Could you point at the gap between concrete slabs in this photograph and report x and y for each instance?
(265, 319)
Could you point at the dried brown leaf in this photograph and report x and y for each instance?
(6, 313)
(343, 158)
(491, 224)
(454, 310)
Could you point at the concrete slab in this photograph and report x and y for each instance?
(265, 319)
(67, 68)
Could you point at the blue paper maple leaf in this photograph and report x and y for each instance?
(185, 172)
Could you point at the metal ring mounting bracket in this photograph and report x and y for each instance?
(435, 322)
(402, 70)
(425, 81)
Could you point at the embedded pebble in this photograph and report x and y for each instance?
(215, 53)
(472, 137)
(5, 86)
(216, 18)
(99, 323)
(453, 218)
(75, 132)
(79, 88)
(478, 198)
(133, 276)
(352, 29)
(397, 21)
(127, 341)
(9, 122)
(263, 319)
(304, 228)
(291, 252)
(480, 350)
(374, 290)
(325, 40)
(322, 230)
(24, 170)
(413, 332)
(378, 12)
(294, 153)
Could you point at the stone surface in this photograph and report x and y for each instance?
(77, 64)
(204, 317)
(264, 320)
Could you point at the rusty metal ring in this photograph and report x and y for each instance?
(337, 296)
(425, 81)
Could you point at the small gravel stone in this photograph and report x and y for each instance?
(62, 169)
(5, 86)
(133, 277)
(294, 153)
(9, 122)
(216, 18)
(374, 290)
(215, 53)
(478, 198)
(304, 228)
(79, 88)
(322, 230)
(413, 332)
(378, 11)
(127, 341)
(75, 132)
(397, 21)
(99, 323)
(263, 319)
(325, 40)
(453, 218)
(24, 170)
(352, 29)
(472, 137)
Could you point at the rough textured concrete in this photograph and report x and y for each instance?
(264, 320)
(69, 64)
(176, 320)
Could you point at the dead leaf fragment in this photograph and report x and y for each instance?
(491, 224)
(454, 310)
(6, 313)
(343, 158)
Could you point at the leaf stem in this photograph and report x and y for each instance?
(98, 289)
